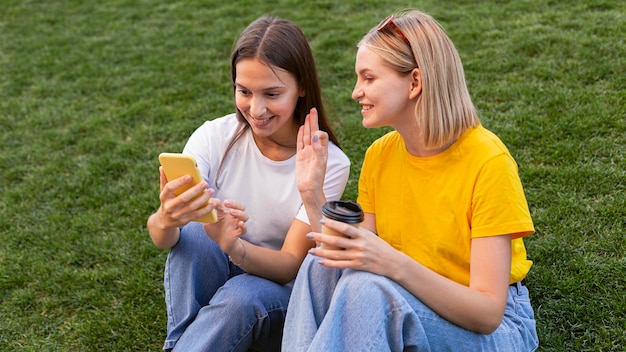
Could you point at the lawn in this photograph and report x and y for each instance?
(92, 91)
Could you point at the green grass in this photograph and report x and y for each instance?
(92, 91)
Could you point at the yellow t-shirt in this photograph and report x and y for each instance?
(430, 208)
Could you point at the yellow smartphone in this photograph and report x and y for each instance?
(176, 165)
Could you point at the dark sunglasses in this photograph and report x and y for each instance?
(388, 22)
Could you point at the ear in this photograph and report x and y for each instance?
(416, 83)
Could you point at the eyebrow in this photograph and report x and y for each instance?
(239, 85)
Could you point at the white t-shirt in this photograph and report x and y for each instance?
(267, 188)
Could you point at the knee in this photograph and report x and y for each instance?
(191, 235)
(244, 295)
(357, 281)
(371, 291)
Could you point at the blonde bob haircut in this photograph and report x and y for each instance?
(414, 39)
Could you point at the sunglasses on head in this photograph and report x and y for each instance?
(388, 22)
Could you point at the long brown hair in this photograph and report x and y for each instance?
(280, 43)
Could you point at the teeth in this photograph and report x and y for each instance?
(365, 106)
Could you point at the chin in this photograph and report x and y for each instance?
(370, 124)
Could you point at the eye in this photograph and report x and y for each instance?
(243, 91)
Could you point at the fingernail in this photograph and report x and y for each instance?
(309, 235)
(322, 221)
(315, 138)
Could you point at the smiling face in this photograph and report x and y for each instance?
(267, 96)
(385, 95)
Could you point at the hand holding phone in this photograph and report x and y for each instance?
(176, 165)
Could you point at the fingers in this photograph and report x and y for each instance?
(240, 215)
(233, 204)
(322, 138)
(236, 209)
(171, 186)
(203, 201)
(219, 205)
(345, 233)
(230, 225)
(310, 129)
(190, 204)
(316, 135)
(197, 192)
(328, 244)
(242, 227)
(315, 126)
(342, 228)
(306, 133)
(162, 178)
(300, 138)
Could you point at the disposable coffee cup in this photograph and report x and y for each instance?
(341, 210)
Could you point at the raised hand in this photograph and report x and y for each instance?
(311, 155)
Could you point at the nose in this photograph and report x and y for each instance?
(357, 92)
(257, 107)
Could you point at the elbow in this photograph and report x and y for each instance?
(487, 329)
(282, 281)
(160, 242)
(489, 323)
(288, 275)
(281, 278)
(161, 246)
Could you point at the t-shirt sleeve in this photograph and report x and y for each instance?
(499, 205)
(198, 145)
(208, 144)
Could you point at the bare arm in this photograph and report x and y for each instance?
(479, 307)
(279, 266)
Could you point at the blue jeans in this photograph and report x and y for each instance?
(212, 305)
(350, 310)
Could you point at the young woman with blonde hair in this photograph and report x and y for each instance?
(438, 264)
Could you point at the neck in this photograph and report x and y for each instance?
(416, 147)
(274, 150)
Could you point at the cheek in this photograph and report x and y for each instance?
(283, 106)
(393, 97)
(241, 103)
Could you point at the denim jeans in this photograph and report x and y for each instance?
(212, 305)
(350, 310)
